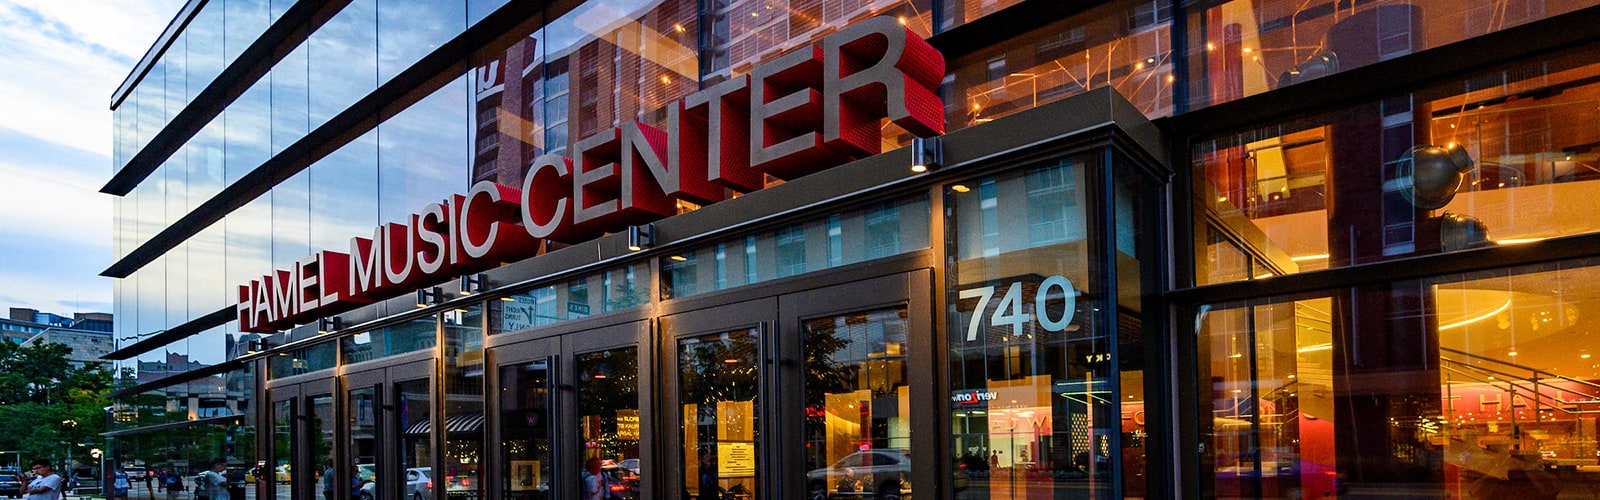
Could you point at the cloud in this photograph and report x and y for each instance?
(61, 62)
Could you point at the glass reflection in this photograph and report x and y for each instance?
(362, 446)
(422, 160)
(343, 60)
(1462, 386)
(1125, 45)
(1032, 399)
(525, 405)
(321, 434)
(416, 443)
(464, 403)
(410, 29)
(1500, 145)
(858, 405)
(608, 422)
(284, 439)
(410, 336)
(1246, 47)
(717, 387)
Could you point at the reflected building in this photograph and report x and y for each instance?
(956, 249)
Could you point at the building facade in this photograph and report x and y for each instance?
(739, 249)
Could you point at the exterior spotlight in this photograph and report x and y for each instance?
(474, 283)
(256, 346)
(641, 237)
(329, 324)
(430, 296)
(926, 154)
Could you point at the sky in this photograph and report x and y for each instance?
(60, 60)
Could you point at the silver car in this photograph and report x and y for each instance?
(419, 485)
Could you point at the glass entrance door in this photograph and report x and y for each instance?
(807, 394)
(302, 441)
(388, 443)
(571, 422)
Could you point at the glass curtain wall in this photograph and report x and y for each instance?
(1477, 386)
(1034, 396)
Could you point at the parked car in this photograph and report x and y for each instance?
(281, 473)
(622, 482)
(10, 482)
(419, 485)
(878, 473)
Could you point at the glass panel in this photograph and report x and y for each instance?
(875, 231)
(283, 449)
(410, 29)
(1126, 45)
(291, 98)
(624, 288)
(321, 434)
(509, 109)
(717, 386)
(1465, 164)
(959, 12)
(463, 390)
(422, 153)
(344, 194)
(1032, 396)
(525, 429)
(858, 405)
(1461, 386)
(344, 60)
(1246, 47)
(410, 336)
(205, 34)
(304, 360)
(247, 137)
(1137, 211)
(246, 21)
(740, 34)
(625, 68)
(416, 445)
(363, 446)
(608, 422)
(291, 221)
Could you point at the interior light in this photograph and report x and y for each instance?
(1316, 347)
(1583, 356)
(1512, 353)
(1303, 258)
(1488, 315)
(1518, 241)
(960, 188)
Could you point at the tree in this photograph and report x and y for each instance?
(54, 410)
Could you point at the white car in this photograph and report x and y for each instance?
(419, 485)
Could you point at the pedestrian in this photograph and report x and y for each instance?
(46, 485)
(149, 478)
(215, 484)
(120, 484)
(594, 483)
(172, 482)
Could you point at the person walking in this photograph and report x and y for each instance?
(120, 484)
(215, 484)
(46, 485)
(172, 483)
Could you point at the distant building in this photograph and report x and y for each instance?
(88, 334)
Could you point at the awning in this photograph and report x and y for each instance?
(452, 425)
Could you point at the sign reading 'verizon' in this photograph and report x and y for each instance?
(815, 108)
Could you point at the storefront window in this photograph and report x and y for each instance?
(1462, 386)
(608, 422)
(1493, 160)
(525, 431)
(717, 387)
(1245, 47)
(1033, 396)
(858, 405)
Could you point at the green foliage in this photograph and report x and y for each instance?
(50, 409)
